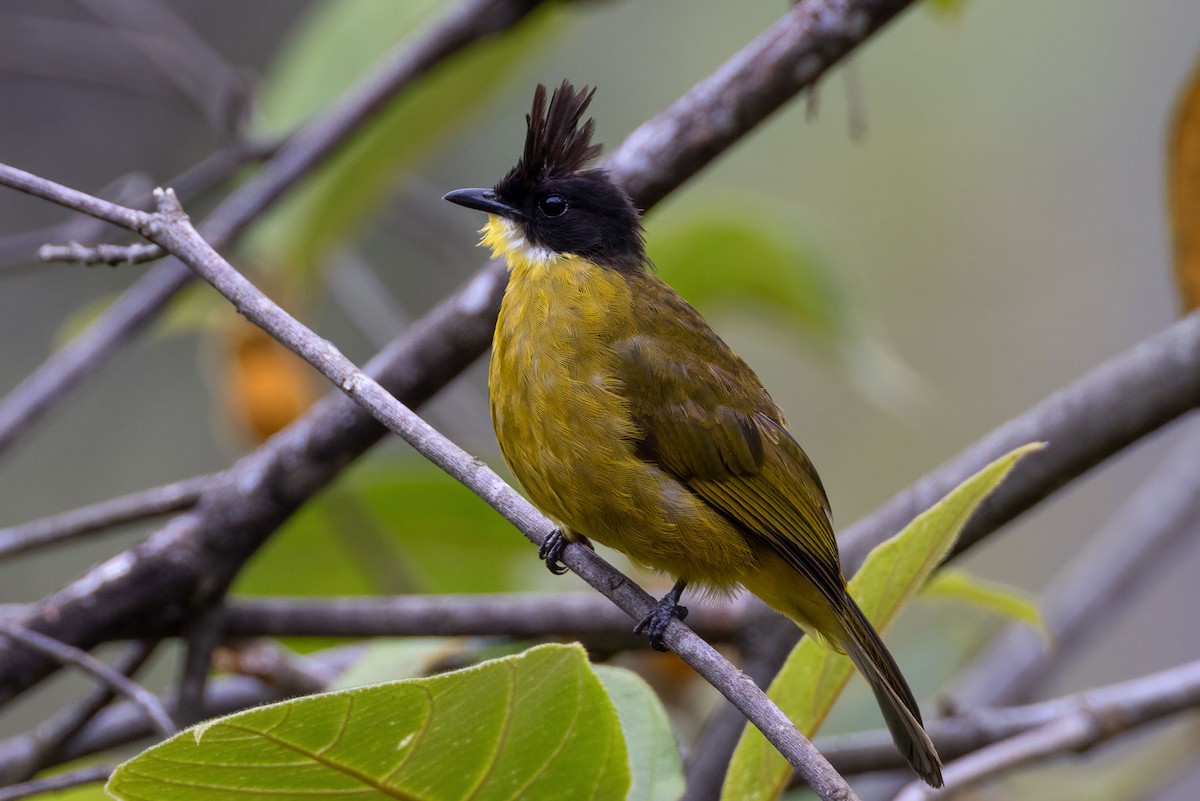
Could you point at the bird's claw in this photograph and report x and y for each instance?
(654, 625)
(550, 551)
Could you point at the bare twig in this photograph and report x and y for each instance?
(133, 190)
(1081, 723)
(578, 614)
(1145, 533)
(100, 254)
(69, 655)
(27, 754)
(141, 303)
(124, 723)
(1136, 702)
(275, 666)
(104, 515)
(61, 781)
(202, 635)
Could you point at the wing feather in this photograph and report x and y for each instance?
(705, 418)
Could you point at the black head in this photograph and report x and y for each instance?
(558, 203)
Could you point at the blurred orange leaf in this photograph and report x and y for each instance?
(266, 386)
(1183, 166)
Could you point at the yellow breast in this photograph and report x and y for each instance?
(561, 422)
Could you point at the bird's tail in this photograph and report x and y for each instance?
(900, 711)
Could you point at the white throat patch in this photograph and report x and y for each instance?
(518, 246)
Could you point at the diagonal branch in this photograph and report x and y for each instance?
(147, 503)
(115, 680)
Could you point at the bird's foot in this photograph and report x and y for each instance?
(551, 549)
(654, 625)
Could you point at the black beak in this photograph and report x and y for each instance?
(482, 200)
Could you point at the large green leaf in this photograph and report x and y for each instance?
(814, 675)
(534, 726)
(337, 42)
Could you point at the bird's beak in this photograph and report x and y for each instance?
(483, 200)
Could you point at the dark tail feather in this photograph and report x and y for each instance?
(896, 701)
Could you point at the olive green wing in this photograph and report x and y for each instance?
(705, 417)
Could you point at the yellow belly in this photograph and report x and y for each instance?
(568, 435)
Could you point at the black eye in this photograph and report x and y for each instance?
(553, 205)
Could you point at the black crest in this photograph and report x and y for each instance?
(555, 144)
(558, 201)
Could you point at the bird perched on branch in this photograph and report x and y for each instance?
(628, 421)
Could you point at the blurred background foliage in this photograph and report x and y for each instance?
(965, 218)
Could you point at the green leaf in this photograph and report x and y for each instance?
(334, 45)
(654, 762)
(814, 675)
(1003, 599)
(534, 726)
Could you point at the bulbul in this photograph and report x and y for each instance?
(629, 422)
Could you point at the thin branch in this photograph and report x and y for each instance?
(111, 255)
(114, 512)
(70, 655)
(124, 723)
(1082, 722)
(61, 781)
(584, 615)
(286, 671)
(29, 753)
(1145, 534)
(202, 635)
(305, 151)
(1135, 702)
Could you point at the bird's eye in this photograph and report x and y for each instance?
(553, 205)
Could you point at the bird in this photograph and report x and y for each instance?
(628, 421)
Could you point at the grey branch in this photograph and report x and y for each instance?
(61, 781)
(116, 681)
(580, 614)
(25, 755)
(1133, 703)
(100, 254)
(1078, 723)
(142, 303)
(97, 517)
